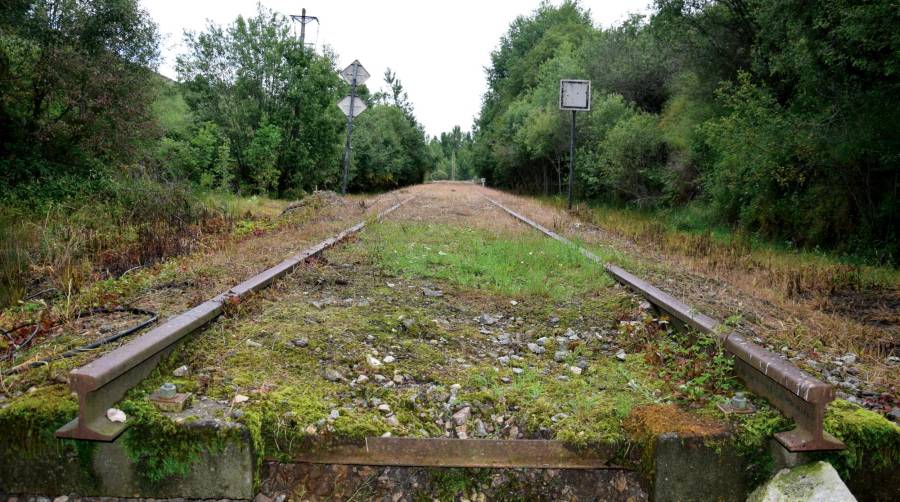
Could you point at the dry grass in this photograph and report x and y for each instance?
(216, 264)
(814, 306)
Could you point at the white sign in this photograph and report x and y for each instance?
(355, 68)
(575, 95)
(359, 106)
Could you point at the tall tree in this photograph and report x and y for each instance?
(75, 84)
(268, 93)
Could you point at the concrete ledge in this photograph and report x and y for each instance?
(225, 468)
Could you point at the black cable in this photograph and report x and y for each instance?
(93, 345)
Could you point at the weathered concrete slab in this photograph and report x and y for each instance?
(225, 468)
(701, 468)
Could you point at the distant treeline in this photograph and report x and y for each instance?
(776, 117)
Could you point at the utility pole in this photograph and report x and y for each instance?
(304, 20)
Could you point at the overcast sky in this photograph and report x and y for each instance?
(438, 49)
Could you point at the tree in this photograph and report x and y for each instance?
(75, 86)
(273, 98)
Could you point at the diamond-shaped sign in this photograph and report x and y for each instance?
(359, 106)
(355, 68)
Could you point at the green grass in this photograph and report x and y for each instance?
(512, 264)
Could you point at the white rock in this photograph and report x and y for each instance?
(388, 359)
(180, 371)
(849, 358)
(362, 379)
(255, 345)
(816, 482)
(373, 361)
(575, 370)
(384, 408)
(462, 416)
(620, 355)
(115, 415)
(240, 398)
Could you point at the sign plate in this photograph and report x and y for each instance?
(575, 95)
(359, 106)
(361, 74)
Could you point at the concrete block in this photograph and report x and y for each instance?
(697, 468)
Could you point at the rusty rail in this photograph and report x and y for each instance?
(797, 394)
(104, 381)
(446, 452)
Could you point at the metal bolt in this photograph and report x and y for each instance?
(739, 401)
(167, 390)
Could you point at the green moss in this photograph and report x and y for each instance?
(31, 456)
(873, 442)
(162, 449)
(751, 436)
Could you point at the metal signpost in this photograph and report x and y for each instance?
(574, 95)
(355, 75)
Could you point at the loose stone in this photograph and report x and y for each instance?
(301, 342)
(487, 319)
(115, 415)
(333, 375)
(180, 371)
(462, 416)
(537, 349)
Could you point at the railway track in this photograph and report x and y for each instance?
(103, 382)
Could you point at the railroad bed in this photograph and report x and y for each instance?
(446, 335)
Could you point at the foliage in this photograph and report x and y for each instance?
(75, 86)
(453, 155)
(771, 113)
(389, 148)
(271, 98)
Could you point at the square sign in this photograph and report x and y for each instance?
(575, 95)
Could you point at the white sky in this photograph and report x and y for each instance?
(438, 49)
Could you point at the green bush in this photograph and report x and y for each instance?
(632, 160)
